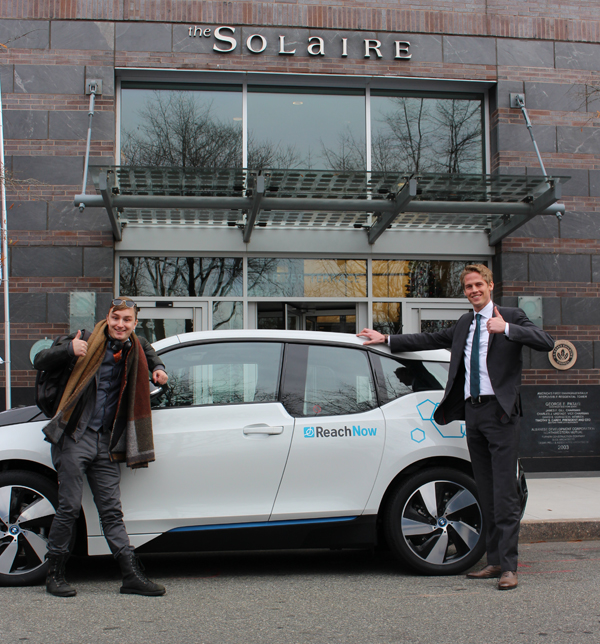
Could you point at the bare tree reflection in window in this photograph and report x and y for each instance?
(268, 154)
(180, 128)
(227, 315)
(180, 276)
(430, 278)
(412, 134)
(460, 146)
(349, 155)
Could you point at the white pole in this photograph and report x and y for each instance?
(4, 263)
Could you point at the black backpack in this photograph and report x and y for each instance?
(50, 385)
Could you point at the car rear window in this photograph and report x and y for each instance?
(402, 376)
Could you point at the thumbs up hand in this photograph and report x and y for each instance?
(80, 346)
(496, 324)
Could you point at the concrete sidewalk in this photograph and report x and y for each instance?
(562, 507)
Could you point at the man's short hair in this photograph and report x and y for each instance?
(122, 307)
(484, 271)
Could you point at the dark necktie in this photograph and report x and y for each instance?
(475, 359)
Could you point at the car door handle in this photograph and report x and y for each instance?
(263, 429)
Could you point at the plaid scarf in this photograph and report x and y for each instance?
(131, 438)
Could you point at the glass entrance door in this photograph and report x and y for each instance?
(156, 321)
(308, 316)
(332, 320)
(426, 317)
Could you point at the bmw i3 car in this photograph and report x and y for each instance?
(265, 440)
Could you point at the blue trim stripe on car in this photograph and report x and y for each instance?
(259, 524)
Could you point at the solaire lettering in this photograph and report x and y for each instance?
(227, 42)
(342, 432)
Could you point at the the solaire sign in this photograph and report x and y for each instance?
(227, 41)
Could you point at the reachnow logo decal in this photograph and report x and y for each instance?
(355, 430)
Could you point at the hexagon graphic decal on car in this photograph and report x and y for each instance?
(418, 435)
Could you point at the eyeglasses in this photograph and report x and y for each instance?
(130, 304)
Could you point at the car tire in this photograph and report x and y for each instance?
(433, 522)
(28, 503)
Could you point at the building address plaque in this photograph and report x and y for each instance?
(560, 421)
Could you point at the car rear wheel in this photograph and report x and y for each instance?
(28, 503)
(434, 524)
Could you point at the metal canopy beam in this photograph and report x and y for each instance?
(257, 197)
(105, 189)
(496, 204)
(401, 201)
(547, 197)
(545, 203)
(307, 205)
(516, 221)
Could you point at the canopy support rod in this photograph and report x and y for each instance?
(92, 88)
(518, 100)
(401, 201)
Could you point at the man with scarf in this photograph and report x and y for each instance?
(103, 418)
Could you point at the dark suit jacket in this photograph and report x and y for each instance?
(504, 363)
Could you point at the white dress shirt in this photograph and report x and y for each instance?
(485, 386)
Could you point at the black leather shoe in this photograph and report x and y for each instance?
(489, 572)
(508, 580)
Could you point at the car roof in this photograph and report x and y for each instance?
(439, 355)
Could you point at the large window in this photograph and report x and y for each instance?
(269, 277)
(417, 278)
(203, 126)
(195, 127)
(180, 276)
(306, 128)
(328, 294)
(426, 134)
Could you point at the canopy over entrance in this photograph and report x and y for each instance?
(374, 201)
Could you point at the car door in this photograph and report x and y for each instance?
(339, 432)
(221, 439)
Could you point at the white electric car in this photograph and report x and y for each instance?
(270, 439)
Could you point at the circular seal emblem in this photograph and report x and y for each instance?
(563, 356)
(38, 346)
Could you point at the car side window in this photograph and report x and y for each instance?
(337, 381)
(402, 377)
(222, 373)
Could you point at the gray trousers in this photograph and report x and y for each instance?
(74, 460)
(494, 447)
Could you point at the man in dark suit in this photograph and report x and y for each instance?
(483, 390)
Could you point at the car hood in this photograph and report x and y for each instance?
(21, 415)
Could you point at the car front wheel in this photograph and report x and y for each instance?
(27, 506)
(434, 524)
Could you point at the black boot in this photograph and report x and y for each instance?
(56, 584)
(135, 581)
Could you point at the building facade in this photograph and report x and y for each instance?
(312, 99)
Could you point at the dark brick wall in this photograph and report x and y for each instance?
(548, 50)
